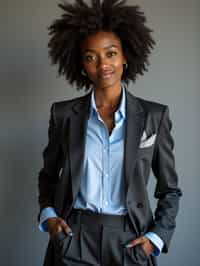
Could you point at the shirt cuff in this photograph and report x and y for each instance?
(157, 241)
(46, 213)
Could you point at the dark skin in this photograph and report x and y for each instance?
(102, 60)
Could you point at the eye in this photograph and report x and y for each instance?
(89, 58)
(111, 53)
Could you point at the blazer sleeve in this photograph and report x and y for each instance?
(167, 191)
(52, 158)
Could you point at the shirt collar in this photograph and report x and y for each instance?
(122, 107)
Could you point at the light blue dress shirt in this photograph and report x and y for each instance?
(102, 184)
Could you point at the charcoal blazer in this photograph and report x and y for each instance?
(59, 179)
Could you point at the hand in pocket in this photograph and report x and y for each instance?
(145, 243)
(56, 225)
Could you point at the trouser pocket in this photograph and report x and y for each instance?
(115, 251)
(61, 243)
(134, 256)
(90, 241)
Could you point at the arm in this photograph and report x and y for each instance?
(167, 191)
(48, 179)
(46, 213)
(52, 157)
(156, 241)
(150, 242)
(50, 222)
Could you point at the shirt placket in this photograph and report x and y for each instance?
(105, 169)
(104, 203)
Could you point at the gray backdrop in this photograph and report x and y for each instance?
(28, 86)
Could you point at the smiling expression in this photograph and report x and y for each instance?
(103, 58)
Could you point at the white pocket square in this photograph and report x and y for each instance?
(147, 142)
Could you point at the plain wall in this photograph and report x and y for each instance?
(29, 85)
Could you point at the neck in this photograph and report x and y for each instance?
(108, 96)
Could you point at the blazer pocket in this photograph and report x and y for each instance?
(145, 153)
(147, 143)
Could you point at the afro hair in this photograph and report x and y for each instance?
(79, 20)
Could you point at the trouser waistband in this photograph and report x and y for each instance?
(95, 220)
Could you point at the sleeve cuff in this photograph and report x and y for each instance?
(46, 213)
(157, 241)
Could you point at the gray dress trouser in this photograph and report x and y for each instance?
(98, 240)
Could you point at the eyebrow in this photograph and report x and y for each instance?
(107, 47)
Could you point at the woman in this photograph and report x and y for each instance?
(92, 187)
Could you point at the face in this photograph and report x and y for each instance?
(103, 58)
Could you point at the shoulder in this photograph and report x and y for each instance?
(149, 106)
(152, 106)
(154, 112)
(157, 112)
(68, 104)
(62, 108)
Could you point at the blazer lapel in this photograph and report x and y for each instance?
(134, 129)
(77, 136)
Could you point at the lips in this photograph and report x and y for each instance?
(105, 74)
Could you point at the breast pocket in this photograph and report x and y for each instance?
(145, 153)
(144, 162)
(147, 143)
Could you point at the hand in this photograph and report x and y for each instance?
(57, 224)
(145, 243)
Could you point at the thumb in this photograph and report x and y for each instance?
(134, 242)
(65, 227)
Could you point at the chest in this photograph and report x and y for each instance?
(108, 150)
(108, 118)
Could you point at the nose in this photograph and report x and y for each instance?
(102, 63)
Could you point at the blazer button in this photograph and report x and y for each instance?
(140, 205)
